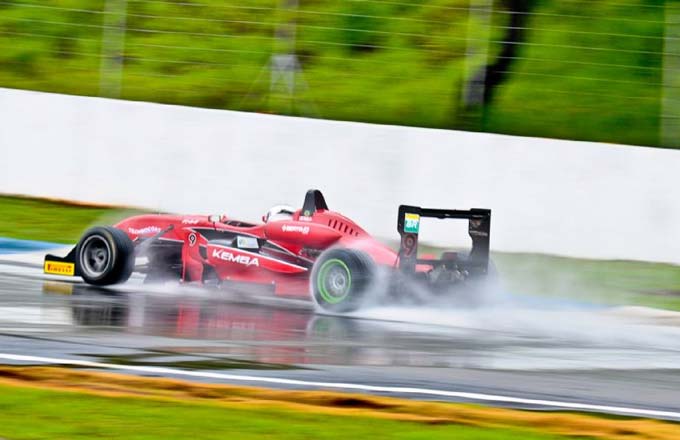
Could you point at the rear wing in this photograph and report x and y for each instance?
(479, 228)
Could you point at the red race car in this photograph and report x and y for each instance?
(311, 252)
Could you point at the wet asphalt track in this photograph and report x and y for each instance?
(587, 357)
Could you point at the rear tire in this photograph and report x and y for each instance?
(341, 278)
(105, 256)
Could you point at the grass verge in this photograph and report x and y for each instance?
(594, 281)
(82, 404)
(53, 221)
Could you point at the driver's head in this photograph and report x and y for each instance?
(279, 212)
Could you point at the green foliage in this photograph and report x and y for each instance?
(591, 69)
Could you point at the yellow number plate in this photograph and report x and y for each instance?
(60, 268)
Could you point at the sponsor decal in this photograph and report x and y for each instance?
(191, 221)
(304, 230)
(246, 242)
(411, 223)
(233, 258)
(148, 230)
(307, 213)
(60, 268)
(305, 218)
(192, 239)
(408, 244)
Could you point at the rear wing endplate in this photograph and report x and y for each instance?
(479, 228)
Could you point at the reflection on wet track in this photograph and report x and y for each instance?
(265, 334)
(294, 335)
(589, 355)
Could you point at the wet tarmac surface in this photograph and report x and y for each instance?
(567, 354)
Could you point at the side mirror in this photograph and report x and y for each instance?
(214, 218)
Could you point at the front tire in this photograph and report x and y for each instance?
(341, 278)
(105, 256)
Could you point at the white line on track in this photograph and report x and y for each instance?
(350, 386)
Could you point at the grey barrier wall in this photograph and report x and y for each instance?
(549, 196)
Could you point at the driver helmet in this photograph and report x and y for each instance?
(279, 212)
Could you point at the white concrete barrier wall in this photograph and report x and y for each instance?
(559, 197)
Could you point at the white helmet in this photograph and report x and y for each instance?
(279, 212)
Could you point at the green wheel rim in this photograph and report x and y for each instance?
(321, 281)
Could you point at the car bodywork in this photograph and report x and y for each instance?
(280, 254)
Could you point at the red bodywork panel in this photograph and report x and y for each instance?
(279, 253)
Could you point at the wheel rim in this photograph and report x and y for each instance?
(95, 256)
(334, 281)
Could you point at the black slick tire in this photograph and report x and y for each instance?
(105, 256)
(340, 279)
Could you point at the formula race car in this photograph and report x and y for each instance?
(313, 253)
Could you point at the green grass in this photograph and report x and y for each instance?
(41, 220)
(594, 281)
(41, 414)
(381, 62)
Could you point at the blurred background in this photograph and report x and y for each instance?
(601, 70)
(585, 237)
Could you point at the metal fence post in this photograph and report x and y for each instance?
(670, 93)
(112, 48)
(476, 58)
